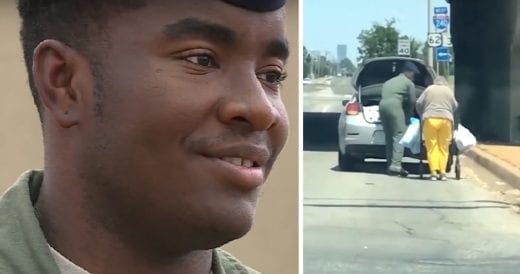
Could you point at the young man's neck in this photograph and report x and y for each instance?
(91, 247)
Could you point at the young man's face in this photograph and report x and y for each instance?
(192, 120)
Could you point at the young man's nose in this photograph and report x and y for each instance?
(247, 102)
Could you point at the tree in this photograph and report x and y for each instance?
(307, 59)
(317, 65)
(425, 51)
(380, 40)
(346, 65)
(323, 67)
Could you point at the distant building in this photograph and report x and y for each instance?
(342, 52)
(329, 56)
(315, 53)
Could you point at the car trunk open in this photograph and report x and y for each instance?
(371, 76)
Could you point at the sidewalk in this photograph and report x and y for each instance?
(502, 160)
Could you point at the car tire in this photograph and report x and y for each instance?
(347, 162)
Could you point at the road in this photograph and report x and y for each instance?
(368, 222)
(322, 106)
(326, 94)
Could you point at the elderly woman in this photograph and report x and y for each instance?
(436, 107)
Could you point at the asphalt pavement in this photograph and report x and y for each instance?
(322, 105)
(324, 95)
(368, 222)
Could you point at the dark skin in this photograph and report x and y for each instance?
(169, 161)
(409, 74)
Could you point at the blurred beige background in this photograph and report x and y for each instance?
(272, 245)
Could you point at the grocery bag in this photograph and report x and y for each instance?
(464, 139)
(412, 138)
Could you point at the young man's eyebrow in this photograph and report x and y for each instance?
(193, 27)
(278, 48)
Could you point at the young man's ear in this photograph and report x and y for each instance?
(59, 73)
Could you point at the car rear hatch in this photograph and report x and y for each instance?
(370, 77)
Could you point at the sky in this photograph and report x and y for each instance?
(327, 23)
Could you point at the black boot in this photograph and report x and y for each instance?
(397, 172)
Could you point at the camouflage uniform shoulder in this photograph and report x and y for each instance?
(225, 263)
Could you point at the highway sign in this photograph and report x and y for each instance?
(441, 22)
(403, 47)
(443, 54)
(440, 10)
(446, 40)
(434, 40)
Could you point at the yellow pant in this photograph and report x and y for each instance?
(437, 136)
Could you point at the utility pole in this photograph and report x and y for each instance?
(312, 68)
(430, 49)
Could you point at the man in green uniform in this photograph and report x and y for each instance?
(161, 122)
(396, 108)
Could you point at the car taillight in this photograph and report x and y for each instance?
(352, 109)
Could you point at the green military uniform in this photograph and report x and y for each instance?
(396, 108)
(24, 249)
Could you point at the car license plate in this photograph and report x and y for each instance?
(378, 138)
(371, 114)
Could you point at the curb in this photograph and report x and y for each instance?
(499, 167)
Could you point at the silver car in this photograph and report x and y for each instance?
(360, 130)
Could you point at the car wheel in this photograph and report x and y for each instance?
(347, 162)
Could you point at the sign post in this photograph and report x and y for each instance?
(440, 39)
(441, 22)
(440, 10)
(403, 47)
(442, 56)
(434, 40)
(430, 49)
(446, 40)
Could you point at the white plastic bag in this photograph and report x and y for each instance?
(412, 138)
(464, 139)
(371, 114)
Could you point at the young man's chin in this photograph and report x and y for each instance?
(220, 233)
(228, 227)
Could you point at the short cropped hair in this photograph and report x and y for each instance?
(76, 23)
(410, 67)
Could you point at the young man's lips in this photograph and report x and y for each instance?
(243, 155)
(242, 165)
(241, 162)
(239, 175)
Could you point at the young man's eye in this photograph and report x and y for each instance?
(201, 60)
(272, 77)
